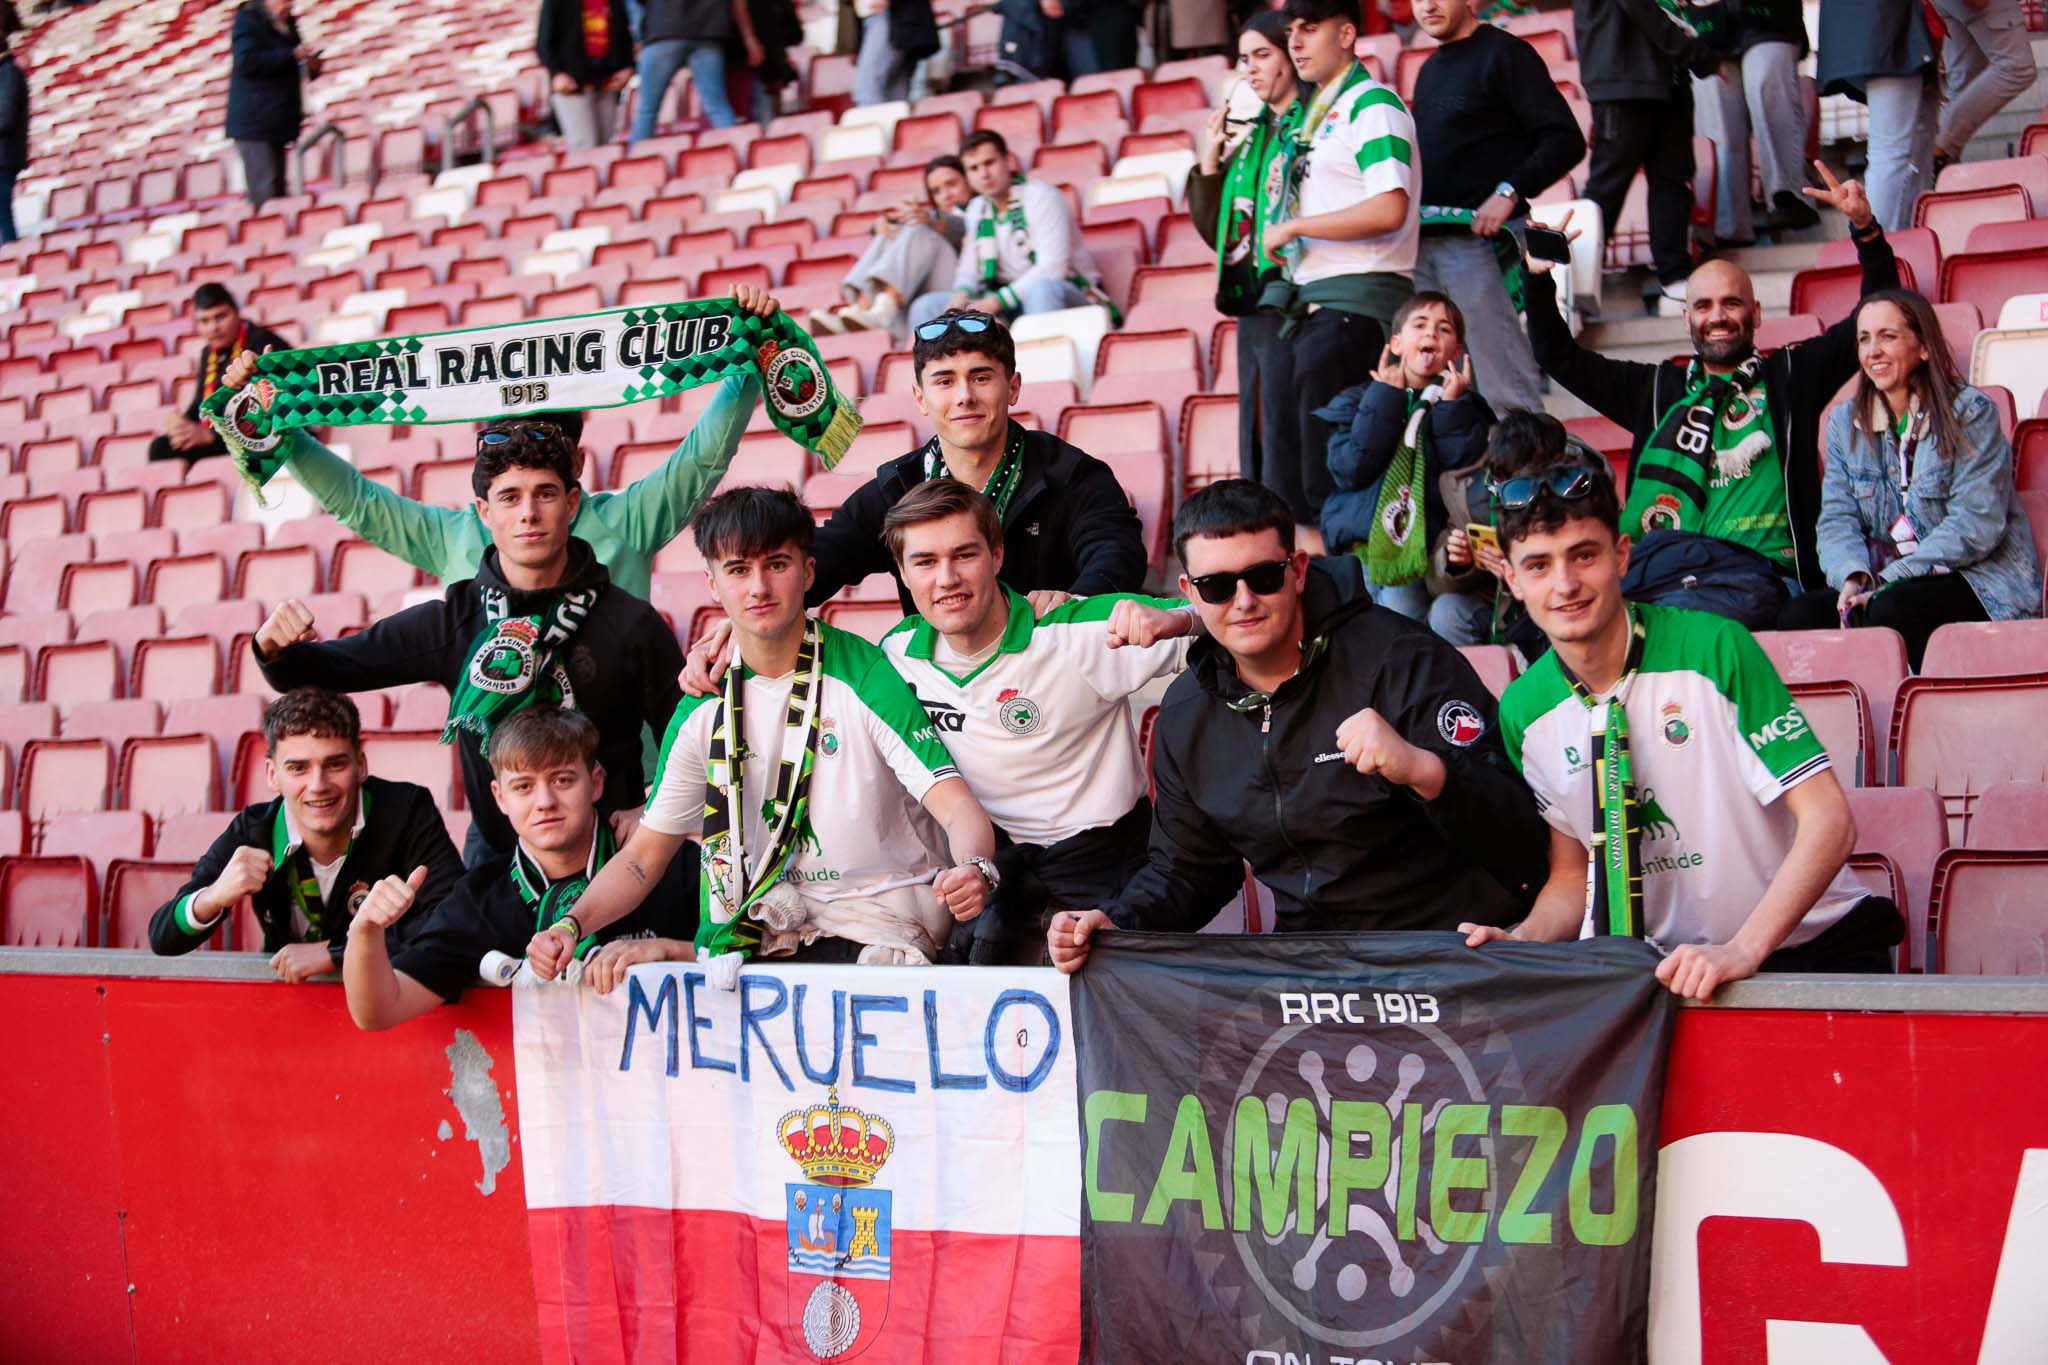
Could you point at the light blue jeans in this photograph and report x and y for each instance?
(659, 63)
(1046, 296)
(1462, 618)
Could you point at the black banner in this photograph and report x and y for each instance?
(1331, 1149)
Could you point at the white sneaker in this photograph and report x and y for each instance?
(1671, 300)
(880, 315)
(829, 321)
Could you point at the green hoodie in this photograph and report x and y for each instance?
(625, 529)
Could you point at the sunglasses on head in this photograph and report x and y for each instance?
(1263, 579)
(972, 326)
(1570, 482)
(531, 431)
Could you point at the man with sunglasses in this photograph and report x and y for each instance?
(1664, 742)
(1345, 752)
(540, 622)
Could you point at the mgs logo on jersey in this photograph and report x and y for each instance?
(838, 1225)
(1019, 714)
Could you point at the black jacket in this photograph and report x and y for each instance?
(1860, 39)
(1633, 50)
(13, 114)
(1486, 112)
(623, 665)
(708, 21)
(1770, 21)
(255, 337)
(402, 830)
(264, 97)
(1799, 380)
(1339, 850)
(1070, 526)
(484, 912)
(559, 44)
(1367, 422)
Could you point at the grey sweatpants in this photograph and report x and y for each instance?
(588, 118)
(1989, 62)
(1503, 366)
(916, 260)
(1767, 104)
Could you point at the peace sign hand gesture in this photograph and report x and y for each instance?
(1845, 195)
(1389, 370)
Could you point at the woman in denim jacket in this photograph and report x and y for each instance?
(1919, 524)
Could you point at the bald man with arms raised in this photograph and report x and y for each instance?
(1759, 414)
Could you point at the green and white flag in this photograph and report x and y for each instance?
(596, 360)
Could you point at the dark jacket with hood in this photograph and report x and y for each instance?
(402, 830)
(1799, 382)
(1634, 50)
(560, 45)
(1243, 777)
(1070, 526)
(1862, 39)
(622, 663)
(265, 102)
(1367, 423)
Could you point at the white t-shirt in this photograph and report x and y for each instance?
(1714, 741)
(877, 757)
(1364, 146)
(1041, 724)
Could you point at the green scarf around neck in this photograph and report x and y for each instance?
(1614, 881)
(512, 663)
(550, 900)
(1718, 423)
(1250, 194)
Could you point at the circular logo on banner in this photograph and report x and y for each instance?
(831, 1320)
(244, 412)
(1662, 515)
(795, 384)
(1460, 723)
(1020, 715)
(506, 664)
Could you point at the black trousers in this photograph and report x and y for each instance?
(1860, 941)
(1655, 135)
(1329, 352)
(1914, 607)
(1266, 425)
(1081, 872)
(162, 449)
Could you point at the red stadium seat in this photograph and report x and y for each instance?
(1906, 825)
(1991, 913)
(2011, 815)
(2028, 173)
(81, 671)
(415, 756)
(134, 890)
(164, 775)
(115, 511)
(185, 580)
(1087, 115)
(1988, 278)
(869, 620)
(60, 775)
(116, 722)
(192, 505)
(1495, 665)
(175, 668)
(96, 585)
(14, 672)
(1170, 352)
(99, 837)
(1208, 441)
(1962, 735)
(23, 721)
(1840, 715)
(1158, 99)
(1873, 658)
(1983, 649)
(48, 903)
(1126, 429)
(1951, 215)
(2030, 456)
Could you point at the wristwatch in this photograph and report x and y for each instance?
(1507, 191)
(986, 868)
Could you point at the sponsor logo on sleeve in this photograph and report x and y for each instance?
(1787, 725)
(1460, 723)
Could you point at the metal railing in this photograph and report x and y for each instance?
(318, 136)
(473, 109)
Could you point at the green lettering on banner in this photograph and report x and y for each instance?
(1351, 1119)
(1616, 1122)
(1108, 1106)
(1411, 1172)
(1547, 1126)
(1254, 1168)
(1189, 1170)
(1448, 1171)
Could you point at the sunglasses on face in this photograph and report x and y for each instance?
(1264, 580)
(932, 331)
(1572, 483)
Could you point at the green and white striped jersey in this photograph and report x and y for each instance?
(1042, 726)
(877, 757)
(1715, 739)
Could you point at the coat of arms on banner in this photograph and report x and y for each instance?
(838, 1225)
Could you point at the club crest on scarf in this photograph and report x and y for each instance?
(794, 385)
(838, 1225)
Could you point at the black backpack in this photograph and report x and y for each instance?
(1705, 573)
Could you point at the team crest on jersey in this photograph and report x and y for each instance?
(828, 737)
(838, 1226)
(1674, 730)
(1460, 723)
(1019, 714)
(792, 380)
(357, 894)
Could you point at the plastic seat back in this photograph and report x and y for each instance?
(1982, 649)
(1963, 735)
(2011, 815)
(48, 903)
(1991, 913)
(1906, 825)
(163, 775)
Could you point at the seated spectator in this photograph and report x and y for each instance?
(307, 859)
(1347, 754)
(896, 37)
(916, 249)
(1723, 842)
(692, 33)
(13, 120)
(1758, 95)
(1035, 710)
(1919, 524)
(624, 529)
(1880, 52)
(541, 622)
(1987, 61)
(1228, 200)
(1392, 440)
(1633, 60)
(224, 336)
(586, 47)
(825, 798)
(1024, 252)
(1493, 133)
(1725, 445)
(547, 783)
(1344, 236)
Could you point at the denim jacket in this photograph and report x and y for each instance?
(1960, 503)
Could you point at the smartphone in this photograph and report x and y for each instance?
(1482, 535)
(1547, 244)
(1242, 104)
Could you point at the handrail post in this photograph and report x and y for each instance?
(477, 105)
(321, 134)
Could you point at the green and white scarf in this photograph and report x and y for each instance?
(1507, 250)
(990, 266)
(512, 663)
(1396, 551)
(1250, 194)
(596, 360)
(1718, 423)
(732, 882)
(1614, 871)
(1292, 163)
(1002, 484)
(549, 901)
